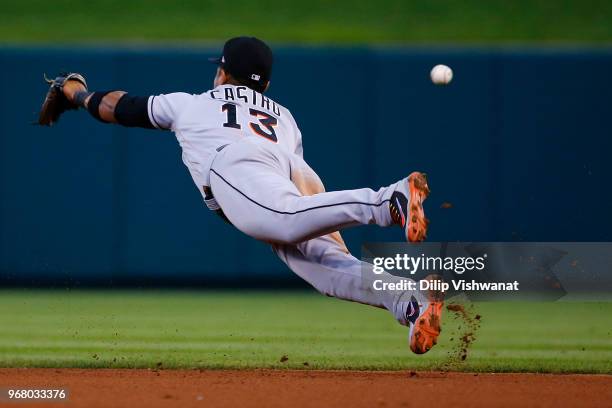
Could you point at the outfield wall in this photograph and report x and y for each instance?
(519, 144)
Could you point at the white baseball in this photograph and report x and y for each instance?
(441, 74)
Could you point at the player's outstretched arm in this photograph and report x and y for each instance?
(69, 91)
(78, 94)
(110, 107)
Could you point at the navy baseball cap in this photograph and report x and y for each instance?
(247, 59)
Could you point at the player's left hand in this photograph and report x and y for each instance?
(56, 101)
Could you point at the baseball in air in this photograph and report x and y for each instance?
(441, 75)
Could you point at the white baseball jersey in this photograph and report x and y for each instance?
(221, 116)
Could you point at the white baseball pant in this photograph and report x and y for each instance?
(252, 182)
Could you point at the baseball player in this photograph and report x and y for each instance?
(244, 153)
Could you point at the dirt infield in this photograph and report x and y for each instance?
(280, 388)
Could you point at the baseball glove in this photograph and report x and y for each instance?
(56, 102)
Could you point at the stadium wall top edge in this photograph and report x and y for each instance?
(214, 47)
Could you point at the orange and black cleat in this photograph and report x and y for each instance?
(406, 207)
(424, 326)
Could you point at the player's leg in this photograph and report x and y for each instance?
(325, 264)
(319, 261)
(331, 270)
(252, 183)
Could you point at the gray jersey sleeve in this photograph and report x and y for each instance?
(164, 109)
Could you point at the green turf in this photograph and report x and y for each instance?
(312, 21)
(251, 330)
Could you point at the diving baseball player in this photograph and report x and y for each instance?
(244, 153)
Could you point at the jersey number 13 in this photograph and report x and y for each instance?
(263, 120)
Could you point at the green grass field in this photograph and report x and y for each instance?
(256, 329)
(310, 22)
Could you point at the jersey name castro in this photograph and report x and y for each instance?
(223, 115)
